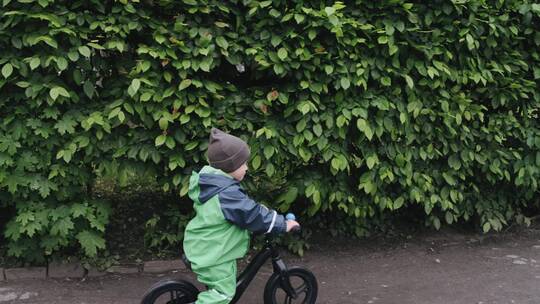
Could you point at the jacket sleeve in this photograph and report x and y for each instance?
(244, 212)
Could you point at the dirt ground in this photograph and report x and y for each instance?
(445, 267)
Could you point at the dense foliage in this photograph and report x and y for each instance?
(356, 109)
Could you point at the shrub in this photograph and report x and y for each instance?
(360, 109)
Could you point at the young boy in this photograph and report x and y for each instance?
(219, 233)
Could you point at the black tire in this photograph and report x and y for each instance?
(302, 280)
(171, 292)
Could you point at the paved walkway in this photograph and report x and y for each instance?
(448, 268)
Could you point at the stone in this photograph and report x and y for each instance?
(6, 297)
(124, 269)
(2, 275)
(26, 273)
(59, 269)
(27, 295)
(163, 266)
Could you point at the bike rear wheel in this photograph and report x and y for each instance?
(171, 292)
(302, 281)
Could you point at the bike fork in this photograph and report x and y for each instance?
(281, 268)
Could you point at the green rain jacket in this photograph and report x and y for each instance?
(219, 232)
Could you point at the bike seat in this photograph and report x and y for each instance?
(186, 261)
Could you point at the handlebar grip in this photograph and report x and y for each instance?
(296, 229)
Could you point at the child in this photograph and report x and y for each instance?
(219, 233)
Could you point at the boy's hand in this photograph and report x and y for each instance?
(291, 224)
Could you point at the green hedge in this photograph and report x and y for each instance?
(358, 109)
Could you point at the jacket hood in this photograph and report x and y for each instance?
(209, 181)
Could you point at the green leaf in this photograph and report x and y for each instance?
(328, 69)
(282, 53)
(299, 18)
(270, 170)
(34, 63)
(288, 197)
(160, 140)
(268, 151)
(312, 34)
(7, 70)
(163, 124)
(449, 218)
(256, 162)
(192, 145)
(222, 42)
(90, 242)
(57, 91)
(73, 56)
(184, 84)
(61, 63)
(454, 162)
(317, 129)
(486, 227)
(134, 87)
(345, 83)
(275, 41)
(85, 51)
(410, 82)
(436, 223)
(62, 227)
(329, 10)
(398, 202)
(88, 88)
(363, 126)
(372, 160)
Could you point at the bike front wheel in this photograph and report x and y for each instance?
(171, 292)
(303, 283)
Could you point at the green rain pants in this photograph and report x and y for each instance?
(221, 282)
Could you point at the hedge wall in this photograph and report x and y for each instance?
(359, 108)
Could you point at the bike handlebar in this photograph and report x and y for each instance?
(292, 217)
(295, 229)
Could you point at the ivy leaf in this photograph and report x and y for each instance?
(90, 242)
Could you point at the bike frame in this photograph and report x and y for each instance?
(245, 278)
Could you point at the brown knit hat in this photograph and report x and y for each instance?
(226, 152)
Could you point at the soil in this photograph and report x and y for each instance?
(438, 267)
